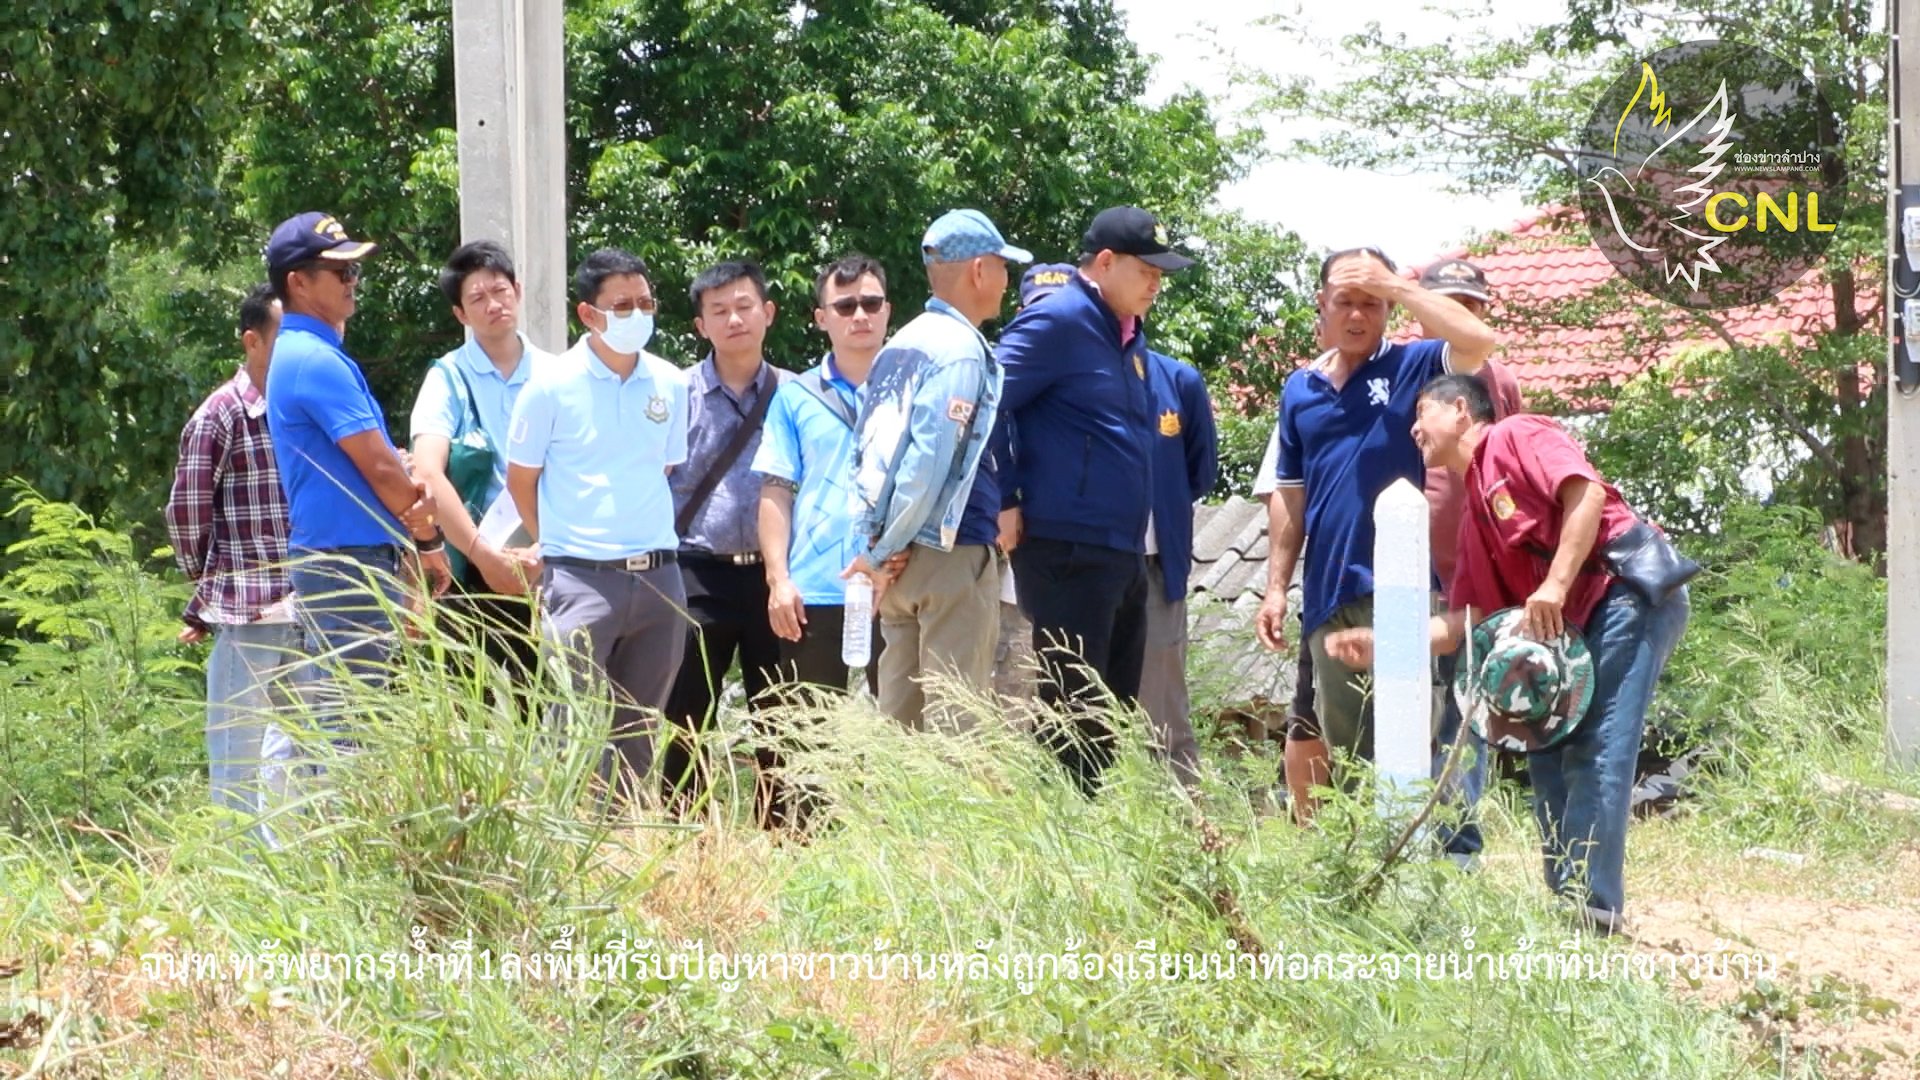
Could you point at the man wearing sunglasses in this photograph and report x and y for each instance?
(805, 464)
(355, 516)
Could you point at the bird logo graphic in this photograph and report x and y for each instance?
(1676, 233)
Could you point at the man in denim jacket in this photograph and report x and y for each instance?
(926, 499)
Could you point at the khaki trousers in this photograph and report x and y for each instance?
(942, 618)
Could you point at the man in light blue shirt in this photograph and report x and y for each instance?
(460, 425)
(805, 463)
(921, 485)
(588, 450)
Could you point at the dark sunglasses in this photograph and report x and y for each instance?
(847, 305)
(347, 272)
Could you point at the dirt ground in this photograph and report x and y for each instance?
(1847, 991)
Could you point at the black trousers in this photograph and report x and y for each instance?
(728, 606)
(503, 629)
(808, 669)
(1088, 605)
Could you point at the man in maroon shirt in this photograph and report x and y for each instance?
(1465, 284)
(1537, 517)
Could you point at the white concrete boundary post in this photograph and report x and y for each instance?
(1402, 653)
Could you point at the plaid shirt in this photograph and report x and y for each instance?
(227, 516)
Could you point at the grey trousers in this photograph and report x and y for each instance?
(1163, 679)
(630, 630)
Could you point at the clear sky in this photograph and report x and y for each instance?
(1199, 42)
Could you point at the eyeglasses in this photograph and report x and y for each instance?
(645, 305)
(346, 272)
(847, 305)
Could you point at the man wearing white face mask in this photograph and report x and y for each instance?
(591, 442)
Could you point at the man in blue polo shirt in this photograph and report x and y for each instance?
(805, 463)
(592, 439)
(924, 485)
(1083, 440)
(350, 504)
(1346, 428)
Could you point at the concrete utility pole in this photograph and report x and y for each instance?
(508, 74)
(1903, 406)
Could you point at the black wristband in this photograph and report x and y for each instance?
(435, 543)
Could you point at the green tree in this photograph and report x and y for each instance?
(1504, 111)
(701, 131)
(111, 121)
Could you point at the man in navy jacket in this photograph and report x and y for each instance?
(1084, 424)
(1186, 461)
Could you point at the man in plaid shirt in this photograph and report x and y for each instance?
(227, 520)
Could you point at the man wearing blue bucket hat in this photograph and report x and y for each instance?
(926, 497)
(1588, 602)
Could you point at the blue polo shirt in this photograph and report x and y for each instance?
(810, 444)
(317, 396)
(1345, 447)
(438, 409)
(603, 445)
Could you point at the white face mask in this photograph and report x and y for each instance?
(627, 334)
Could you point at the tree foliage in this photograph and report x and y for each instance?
(1501, 109)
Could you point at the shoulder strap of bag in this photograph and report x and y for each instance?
(814, 383)
(462, 390)
(730, 453)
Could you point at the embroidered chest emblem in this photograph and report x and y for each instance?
(1378, 390)
(1502, 504)
(657, 409)
(1169, 423)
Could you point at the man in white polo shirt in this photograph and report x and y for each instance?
(592, 439)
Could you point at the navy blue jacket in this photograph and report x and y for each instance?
(1186, 461)
(1083, 420)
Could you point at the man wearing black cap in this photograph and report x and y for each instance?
(1083, 444)
(350, 503)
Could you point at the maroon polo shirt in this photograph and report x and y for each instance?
(1511, 525)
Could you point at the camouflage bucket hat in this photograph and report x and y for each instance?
(1520, 694)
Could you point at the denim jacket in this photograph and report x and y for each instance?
(929, 407)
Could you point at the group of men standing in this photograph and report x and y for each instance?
(668, 523)
(674, 522)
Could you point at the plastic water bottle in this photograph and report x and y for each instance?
(856, 636)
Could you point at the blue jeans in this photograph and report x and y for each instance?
(346, 598)
(1582, 789)
(249, 680)
(1465, 839)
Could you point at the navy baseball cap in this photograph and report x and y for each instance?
(1043, 280)
(959, 235)
(313, 235)
(1130, 230)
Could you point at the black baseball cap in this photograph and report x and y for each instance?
(313, 235)
(1130, 230)
(1457, 277)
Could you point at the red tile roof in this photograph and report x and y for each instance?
(1541, 270)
